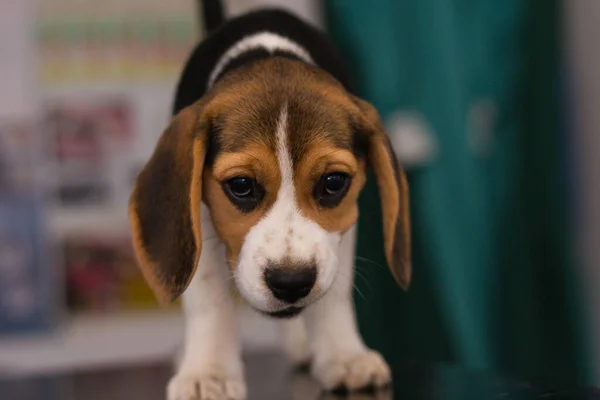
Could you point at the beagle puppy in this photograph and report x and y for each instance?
(252, 192)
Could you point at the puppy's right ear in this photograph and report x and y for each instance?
(393, 190)
(164, 208)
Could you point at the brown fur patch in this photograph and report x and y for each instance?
(254, 96)
(165, 208)
(322, 117)
(393, 190)
(321, 159)
(251, 99)
(319, 114)
(256, 161)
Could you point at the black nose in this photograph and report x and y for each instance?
(290, 284)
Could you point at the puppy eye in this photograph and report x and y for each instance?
(331, 189)
(241, 187)
(245, 193)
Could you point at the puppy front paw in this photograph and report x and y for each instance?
(298, 354)
(206, 386)
(367, 370)
(295, 343)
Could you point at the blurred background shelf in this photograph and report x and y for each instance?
(91, 341)
(88, 341)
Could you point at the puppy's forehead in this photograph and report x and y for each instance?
(251, 115)
(247, 121)
(312, 121)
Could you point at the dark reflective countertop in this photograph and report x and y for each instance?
(270, 378)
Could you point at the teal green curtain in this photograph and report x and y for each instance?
(495, 285)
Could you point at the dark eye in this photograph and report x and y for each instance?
(241, 187)
(245, 193)
(331, 189)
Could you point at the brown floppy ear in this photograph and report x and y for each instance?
(393, 190)
(164, 208)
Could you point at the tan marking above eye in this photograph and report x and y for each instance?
(322, 159)
(325, 158)
(255, 161)
(319, 161)
(231, 224)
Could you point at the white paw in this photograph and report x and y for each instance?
(368, 369)
(298, 354)
(186, 386)
(295, 344)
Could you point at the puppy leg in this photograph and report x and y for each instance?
(295, 342)
(341, 360)
(211, 365)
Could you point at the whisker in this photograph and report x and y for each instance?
(359, 292)
(365, 280)
(359, 258)
(362, 270)
(353, 286)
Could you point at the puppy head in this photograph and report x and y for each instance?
(278, 152)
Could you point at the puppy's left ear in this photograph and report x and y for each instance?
(393, 191)
(164, 208)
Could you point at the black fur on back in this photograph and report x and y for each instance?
(193, 82)
(213, 14)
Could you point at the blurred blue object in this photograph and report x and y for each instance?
(28, 298)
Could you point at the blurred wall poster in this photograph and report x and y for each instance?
(107, 70)
(85, 140)
(133, 40)
(102, 275)
(89, 145)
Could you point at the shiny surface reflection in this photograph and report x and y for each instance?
(270, 378)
